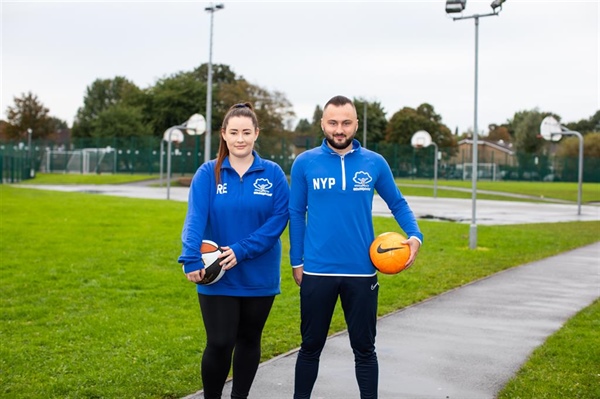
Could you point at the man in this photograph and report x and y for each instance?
(331, 230)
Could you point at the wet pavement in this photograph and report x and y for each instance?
(488, 212)
(464, 344)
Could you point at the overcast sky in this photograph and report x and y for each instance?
(535, 54)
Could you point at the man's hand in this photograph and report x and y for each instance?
(414, 245)
(297, 273)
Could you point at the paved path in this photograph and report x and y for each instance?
(466, 343)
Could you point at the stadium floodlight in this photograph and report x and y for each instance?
(207, 144)
(497, 4)
(451, 7)
(216, 7)
(455, 6)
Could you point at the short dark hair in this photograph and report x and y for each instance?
(338, 101)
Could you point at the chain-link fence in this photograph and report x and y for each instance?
(148, 155)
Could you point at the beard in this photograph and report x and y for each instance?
(340, 145)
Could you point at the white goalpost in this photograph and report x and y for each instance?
(86, 160)
(486, 171)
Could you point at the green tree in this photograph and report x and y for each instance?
(102, 95)
(376, 121)
(305, 136)
(408, 121)
(221, 73)
(28, 112)
(569, 146)
(526, 125)
(309, 134)
(273, 109)
(585, 126)
(316, 123)
(499, 132)
(303, 127)
(120, 121)
(58, 124)
(173, 99)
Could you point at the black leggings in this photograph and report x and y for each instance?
(232, 322)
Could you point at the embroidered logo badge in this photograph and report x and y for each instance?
(262, 187)
(361, 181)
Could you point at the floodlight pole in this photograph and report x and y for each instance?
(473, 227)
(207, 139)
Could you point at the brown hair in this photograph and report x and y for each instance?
(242, 110)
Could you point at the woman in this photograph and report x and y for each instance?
(239, 201)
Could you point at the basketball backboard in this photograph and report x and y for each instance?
(196, 125)
(421, 139)
(550, 129)
(176, 135)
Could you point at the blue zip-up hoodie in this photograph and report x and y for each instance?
(246, 213)
(331, 201)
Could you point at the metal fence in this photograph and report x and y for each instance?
(143, 156)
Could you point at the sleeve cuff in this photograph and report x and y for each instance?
(192, 267)
(416, 238)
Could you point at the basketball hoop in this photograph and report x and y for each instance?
(421, 139)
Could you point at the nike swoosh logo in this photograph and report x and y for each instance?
(373, 286)
(384, 250)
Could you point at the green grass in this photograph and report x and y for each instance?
(566, 366)
(76, 178)
(94, 305)
(542, 190)
(413, 191)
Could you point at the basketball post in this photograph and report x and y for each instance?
(422, 139)
(196, 125)
(551, 130)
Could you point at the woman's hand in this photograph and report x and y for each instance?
(196, 276)
(228, 259)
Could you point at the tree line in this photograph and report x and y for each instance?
(118, 108)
